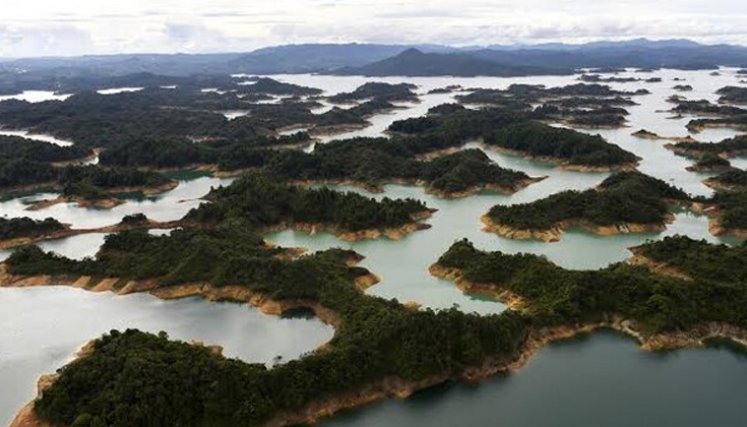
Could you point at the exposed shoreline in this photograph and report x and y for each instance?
(379, 186)
(555, 233)
(393, 233)
(69, 232)
(536, 339)
(563, 164)
(105, 203)
(645, 134)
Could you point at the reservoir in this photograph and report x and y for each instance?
(602, 379)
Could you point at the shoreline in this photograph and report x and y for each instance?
(105, 203)
(393, 233)
(26, 417)
(70, 232)
(392, 386)
(562, 164)
(379, 186)
(555, 233)
(645, 134)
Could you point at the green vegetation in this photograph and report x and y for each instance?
(274, 87)
(21, 173)
(18, 148)
(699, 259)
(656, 303)
(181, 384)
(710, 162)
(731, 180)
(732, 95)
(257, 201)
(623, 198)
(564, 145)
(11, 228)
(731, 209)
(703, 107)
(379, 91)
(373, 162)
(730, 147)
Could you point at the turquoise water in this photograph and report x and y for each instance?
(604, 380)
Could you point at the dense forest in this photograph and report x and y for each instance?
(623, 198)
(94, 119)
(731, 209)
(563, 145)
(376, 338)
(18, 148)
(730, 180)
(377, 90)
(257, 200)
(85, 181)
(732, 95)
(10, 228)
(699, 259)
(655, 302)
(94, 182)
(729, 147)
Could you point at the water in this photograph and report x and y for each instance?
(168, 206)
(116, 90)
(36, 96)
(41, 328)
(36, 136)
(604, 380)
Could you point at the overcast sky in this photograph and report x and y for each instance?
(69, 27)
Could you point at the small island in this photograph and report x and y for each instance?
(731, 180)
(626, 202)
(710, 163)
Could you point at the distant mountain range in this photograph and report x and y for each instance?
(408, 60)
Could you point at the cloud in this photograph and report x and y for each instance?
(62, 27)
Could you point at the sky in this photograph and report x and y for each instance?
(74, 27)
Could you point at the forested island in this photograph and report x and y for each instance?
(733, 179)
(259, 202)
(659, 308)
(88, 185)
(14, 231)
(674, 292)
(626, 202)
(730, 147)
(572, 150)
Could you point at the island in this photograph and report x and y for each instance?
(379, 348)
(626, 202)
(710, 163)
(262, 203)
(570, 149)
(733, 179)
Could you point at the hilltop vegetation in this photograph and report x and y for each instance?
(388, 338)
(383, 334)
(258, 201)
(11, 228)
(625, 199)
(561, 145)
(653, 302)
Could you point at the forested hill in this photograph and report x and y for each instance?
(304, 58)
(413, 62)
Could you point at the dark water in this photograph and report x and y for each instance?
(599, 380)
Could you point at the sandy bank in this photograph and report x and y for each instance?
(555, 233)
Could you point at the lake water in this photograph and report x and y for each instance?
(603, 380)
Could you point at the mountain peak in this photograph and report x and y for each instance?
(411, 52)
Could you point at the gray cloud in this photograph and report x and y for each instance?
(88, 26)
